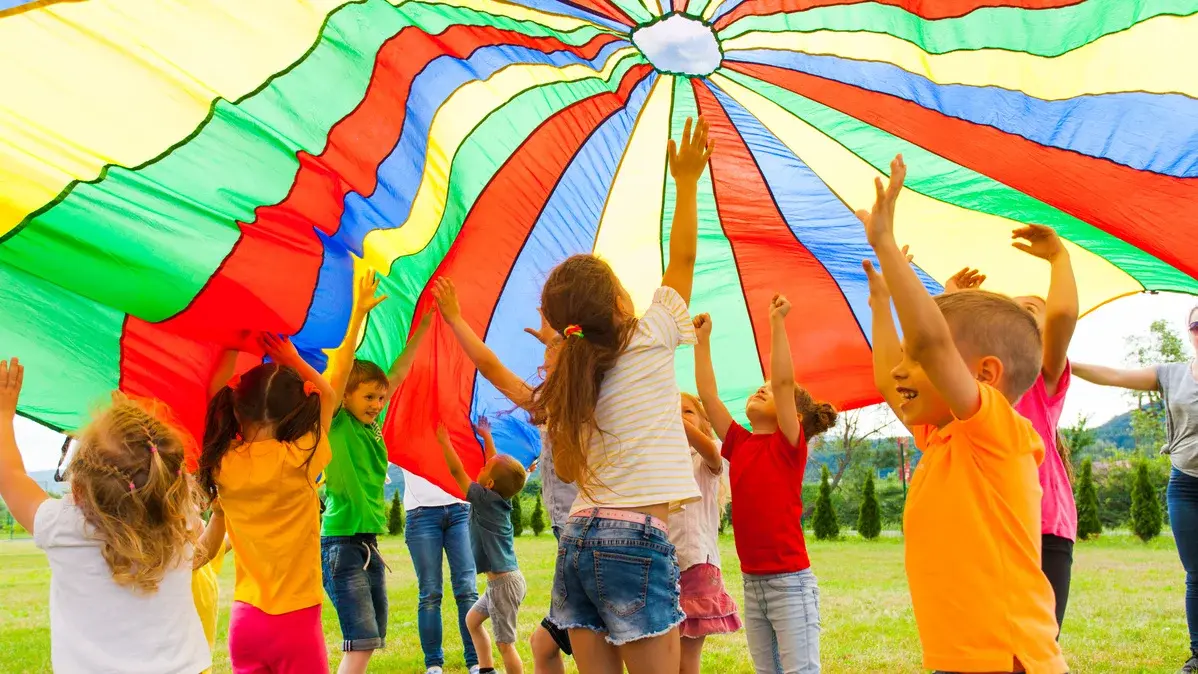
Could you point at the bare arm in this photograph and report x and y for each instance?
(342, 361)
(888, 352)
(223, 372)
(1061, 307)
(452, 460)
(484, 430)
(488, 364)
(403, 364)
(213, 538)
(927, 336)
(283, 352)
(782, 374)
(709, 393)
(705, 446)
(22, 495)
(686, 165)
(1143, 379)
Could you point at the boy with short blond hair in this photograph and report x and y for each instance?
(972, 521)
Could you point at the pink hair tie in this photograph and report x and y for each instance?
(153, 448)
(132, 486)
(310, 388)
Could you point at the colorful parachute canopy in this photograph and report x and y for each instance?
(175, 173)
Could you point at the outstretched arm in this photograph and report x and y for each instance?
(888, 351)
(342, 361)
(403, 365)
(705, 446)
(488, 364)
(709, 393)
(452, 460)
(927, 337)
(1143, 379)
(213, 538)
(282, 351)
(782, 373)
(223, 372)
(484, 430)
(17, 489)
(686, 165)
(1062, 306)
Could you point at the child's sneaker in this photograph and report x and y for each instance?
(433, 670)
(473, 669)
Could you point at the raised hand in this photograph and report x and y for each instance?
(545, 334)
(368, 285)
(702, 324)
(443, 436)
(280, 349)
(483, 427)
(877, 285)
(688, 161)
(12, 376)
(966, 279)
(879, 221)
(779, 308)
(447, 298)
(1041, 242)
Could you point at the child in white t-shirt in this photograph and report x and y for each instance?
(120, 543)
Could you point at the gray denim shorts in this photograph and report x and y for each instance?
(501, 603)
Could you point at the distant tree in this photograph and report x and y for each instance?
(725, 518)
(851, 437)
(825, 524)
(1161, 345)
(538, 518)
(869, 521)
(1080, 437)
(517, 515)
(1089, 525)
(395, 521)
(1146, 518)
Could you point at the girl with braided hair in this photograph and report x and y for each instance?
(120, 543)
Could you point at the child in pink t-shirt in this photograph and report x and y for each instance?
(1042, 404)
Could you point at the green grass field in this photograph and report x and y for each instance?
(1125, 614)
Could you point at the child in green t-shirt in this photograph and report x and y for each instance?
(355, 508)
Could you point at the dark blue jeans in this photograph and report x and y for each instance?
(1183, 518)
(354, 579)
(430, 531)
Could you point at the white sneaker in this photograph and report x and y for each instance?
(474, 669)
(433, 670)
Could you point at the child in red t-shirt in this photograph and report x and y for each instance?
(766, 470)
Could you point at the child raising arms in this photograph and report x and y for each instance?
(610, 404)
(972, 521)
(492, 538)
(265, 443)
(766, 467)
(355, 506)
(695, 534)
(120, 543)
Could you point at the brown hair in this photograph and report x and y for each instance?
(1066, 454)
(988, 324)
(269, 395)
(581, 291)
(508, 475)
(365, 372)
(127, 479)
(816, 416)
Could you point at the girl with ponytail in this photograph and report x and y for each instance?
(610, 407)
(120, 542)
(265, 443)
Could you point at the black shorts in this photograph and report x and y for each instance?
(560, 637)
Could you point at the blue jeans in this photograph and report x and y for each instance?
(1183, 518)
(615, 577)
(428, 532)
(782, 622)
(355, 580)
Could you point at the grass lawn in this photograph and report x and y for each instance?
(1125, 614)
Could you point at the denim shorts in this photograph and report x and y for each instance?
(616, 577)
(353, 573)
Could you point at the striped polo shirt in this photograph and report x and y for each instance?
(641, 456)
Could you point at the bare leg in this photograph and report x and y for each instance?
(692, 655)
(652, 655)
(355, 662)
(511, 659)
(480, 638)
(594, 655)
(546, 656)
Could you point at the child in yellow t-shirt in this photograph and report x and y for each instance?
(972, 521)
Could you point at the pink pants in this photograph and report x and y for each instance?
(291, 643)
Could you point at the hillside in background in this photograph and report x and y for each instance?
(1117, 432)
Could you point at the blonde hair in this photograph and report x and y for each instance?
(725, 495)
(127, 479)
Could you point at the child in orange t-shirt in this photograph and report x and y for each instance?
(972, 521)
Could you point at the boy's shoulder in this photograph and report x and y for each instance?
(479, 495)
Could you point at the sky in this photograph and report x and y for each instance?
(1101, 339)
